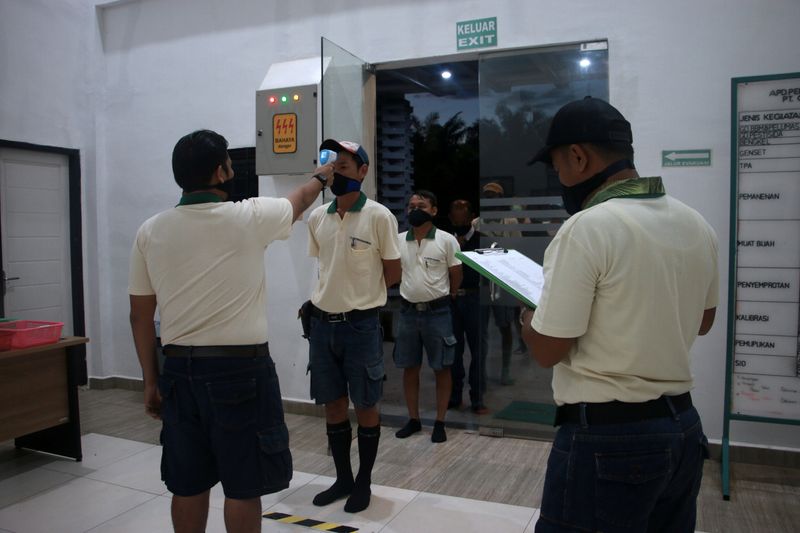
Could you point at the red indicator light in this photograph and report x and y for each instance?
(271, 99)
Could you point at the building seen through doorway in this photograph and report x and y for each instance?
(454, 127)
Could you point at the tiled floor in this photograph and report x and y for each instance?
(469, 483)
(116, 488)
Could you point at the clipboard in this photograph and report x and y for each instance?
(517, 274)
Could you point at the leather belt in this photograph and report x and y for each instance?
(346, 316)
(621, 412)
(244, 350)
(438, 303)
(464, 292)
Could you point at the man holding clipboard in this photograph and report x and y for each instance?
(630, 280)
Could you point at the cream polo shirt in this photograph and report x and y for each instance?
(630, 278)
(205, 264)
(351, 251)
(426, 265)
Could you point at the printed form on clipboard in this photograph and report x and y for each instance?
(518, 274)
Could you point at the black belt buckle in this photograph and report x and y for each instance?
(432, 305)
(336, 317)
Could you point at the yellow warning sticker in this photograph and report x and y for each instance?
(311, 523)
(284, 133)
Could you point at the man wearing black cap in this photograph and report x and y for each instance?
(355, 240)
(630, 281)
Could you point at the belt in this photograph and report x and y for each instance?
(621, 412)
(346, 316)
(244, 350)
(438, 303)
(464, 292)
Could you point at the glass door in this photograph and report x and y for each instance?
(348, 102)
(521, 207)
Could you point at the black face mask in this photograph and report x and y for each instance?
(226, 187)
(461, 230)
(577, 194)
(418, 217)
(343, 184)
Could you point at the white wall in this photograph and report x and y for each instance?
(49, 87)
(163, 68)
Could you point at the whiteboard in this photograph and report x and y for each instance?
(765, 348)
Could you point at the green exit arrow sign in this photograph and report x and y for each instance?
(686, 158)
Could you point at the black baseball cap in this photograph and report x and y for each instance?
(590, 120)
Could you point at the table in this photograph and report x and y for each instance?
(39, 396)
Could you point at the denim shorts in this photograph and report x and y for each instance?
(346, 356)
(431, 330)
(223, 421)
(639, 476)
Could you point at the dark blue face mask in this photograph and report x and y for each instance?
(343, 184)
(575, 196)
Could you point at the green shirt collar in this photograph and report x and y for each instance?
(362, 199)
(630, 188)
(430, 235)
(199, 198)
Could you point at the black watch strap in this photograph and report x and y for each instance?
(321, 179)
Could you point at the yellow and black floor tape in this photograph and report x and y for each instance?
(309, 522)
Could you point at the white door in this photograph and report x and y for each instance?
(34, 223)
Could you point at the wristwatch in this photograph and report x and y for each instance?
(321, 179)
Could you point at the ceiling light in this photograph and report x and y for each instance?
(446, 74)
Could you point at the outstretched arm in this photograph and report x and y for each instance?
(303, 196)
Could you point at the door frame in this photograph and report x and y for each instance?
(75, 225)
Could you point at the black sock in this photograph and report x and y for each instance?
(438, 434)
(339, 437)
(368, 438)
(412, 426)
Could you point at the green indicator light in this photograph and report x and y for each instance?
(284, 99)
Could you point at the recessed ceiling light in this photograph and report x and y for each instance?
(446, 74)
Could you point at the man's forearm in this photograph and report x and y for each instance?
(144, 338)
(303, 196)
(456, 277)
(392, 272)
(545, 350)
(310, 192)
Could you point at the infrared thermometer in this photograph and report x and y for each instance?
(327, 156)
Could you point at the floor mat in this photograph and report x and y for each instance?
(535, 413)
